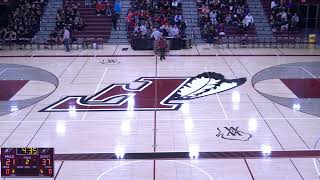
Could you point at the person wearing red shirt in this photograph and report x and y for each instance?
(162, 45)
(100, 8)
(129, 17)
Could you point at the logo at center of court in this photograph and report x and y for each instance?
(233, 133)
(153, 93)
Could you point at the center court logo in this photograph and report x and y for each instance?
(153, 93)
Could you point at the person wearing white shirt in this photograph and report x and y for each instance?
(66, 38)
(213, 17)
(170, 31)
(248, 20)
(174, 3)
(155, 34)
(284, 16)
(213, 14)
(136, 30)
(273, 4)
(143, 30)
(175, 31)
(295, 20)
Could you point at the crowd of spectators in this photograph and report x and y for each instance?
(164, 16)
(69, 17)
(214, 15)
(283, 16)
(24, 21)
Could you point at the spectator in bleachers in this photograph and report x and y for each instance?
(108, 9)
(248, 21)
(175, 31)
(100, 8)
(56, 36)
(143, 30)
(273, 4)
(174, 4)
(177, 18)
(294, 21)
(3, 32)
(284, 15)
(228, 19)
(213, 16)
(11, 35)
(117, 7)
(183, 26)
(114, 18)
(171, 31)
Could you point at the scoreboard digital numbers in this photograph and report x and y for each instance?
(27, 162)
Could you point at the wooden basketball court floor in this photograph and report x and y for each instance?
(201, 114)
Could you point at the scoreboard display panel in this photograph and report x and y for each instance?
(27, 162)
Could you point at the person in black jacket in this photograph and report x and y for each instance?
(114, 18)
(183, 26)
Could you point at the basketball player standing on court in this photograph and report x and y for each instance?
(66, 38)
(162, 44)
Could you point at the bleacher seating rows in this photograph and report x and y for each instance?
(170, 21)
(97, 27)
(24, 20)
(232, 30)
(267, 9)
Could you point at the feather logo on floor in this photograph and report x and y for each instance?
(206, 84)
(148, 94)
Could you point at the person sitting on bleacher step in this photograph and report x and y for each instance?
(100, 8)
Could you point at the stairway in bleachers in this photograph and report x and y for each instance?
(120, 36)
(48, 20)
(190, 13)
(98, 27)
(261, 21)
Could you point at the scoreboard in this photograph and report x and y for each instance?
(27, 162)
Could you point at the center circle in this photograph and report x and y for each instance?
(13, 77)
(166, 167)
